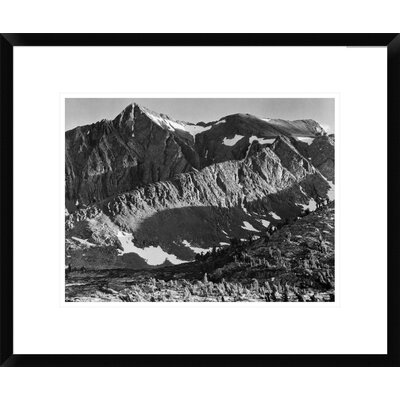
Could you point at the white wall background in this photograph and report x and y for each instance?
(212, 16)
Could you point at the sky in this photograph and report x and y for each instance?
(83, 111)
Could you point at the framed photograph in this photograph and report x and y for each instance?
(199, 200)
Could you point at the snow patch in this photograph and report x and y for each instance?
(311, 206)
(172, 125)
(176, 125)
(152, 255)
(156, 119)
(331, 191)
(266, 119)
(224, 244)
(232, 142)
(273, 215)
(197, 250)
(84, 241)
(245, 210)
(249, 227)
(164, 122)
(261, 140)
(307, 140)
(265, 223)
(196, 129)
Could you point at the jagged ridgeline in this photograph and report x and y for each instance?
(144, 191)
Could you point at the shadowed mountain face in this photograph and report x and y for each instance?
(154, 191)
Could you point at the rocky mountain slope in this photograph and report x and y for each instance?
(295, 264)
(153, 191)
(111, 157)
(141, 146)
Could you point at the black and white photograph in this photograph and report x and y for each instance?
(199, 200)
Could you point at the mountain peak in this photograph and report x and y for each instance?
(127, 114)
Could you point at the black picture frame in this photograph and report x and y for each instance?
(7, 43)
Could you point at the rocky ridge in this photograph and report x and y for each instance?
(141, 146)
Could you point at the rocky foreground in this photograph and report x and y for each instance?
(295, 263)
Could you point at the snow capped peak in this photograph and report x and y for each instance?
(163, 120)
(307, 128)
(127, 116)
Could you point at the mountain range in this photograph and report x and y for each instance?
(145, 190)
